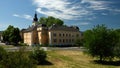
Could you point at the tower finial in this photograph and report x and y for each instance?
(35, 19)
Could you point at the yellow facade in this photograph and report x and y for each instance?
(63, 37)
(42, 35)
(35, 35)
(27, 38)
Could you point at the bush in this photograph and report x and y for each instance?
(23, 44)
(3, 53)
(38, 55)
(18, 59)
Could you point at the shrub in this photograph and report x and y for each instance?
(38, 55)
(23, 44)
(3, 53)
(18, 59)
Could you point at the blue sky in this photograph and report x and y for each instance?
(82, 13)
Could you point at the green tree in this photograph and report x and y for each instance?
(58, 21)
(50, 21)
(15, 36)
(100, 42)
(11, 35)
(39, 55)
(79, 42)
(6, 33)
(43, 20)
(117, 47)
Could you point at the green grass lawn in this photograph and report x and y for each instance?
(71, 59)
(7, 46)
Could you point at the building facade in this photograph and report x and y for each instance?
(53, 35)
(63, 35)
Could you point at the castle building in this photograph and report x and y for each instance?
(53, 35)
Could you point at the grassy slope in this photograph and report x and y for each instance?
(7, 46)
(71, 59)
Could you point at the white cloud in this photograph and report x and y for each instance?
(3, 26)
(117, 10)
(84, 23)
(81, 23)
(71, 10)
(25, 16)
(63, 9)
(97, 5)
(114, 10)
(104, 13)
(16, 15)
(101, 5)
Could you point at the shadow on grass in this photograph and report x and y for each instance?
(45, 63)
(114, 63)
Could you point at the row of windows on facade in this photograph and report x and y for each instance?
(67, 35)
(63, 40)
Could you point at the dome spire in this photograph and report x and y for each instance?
(35, 19)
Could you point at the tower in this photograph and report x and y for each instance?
(35, 20)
